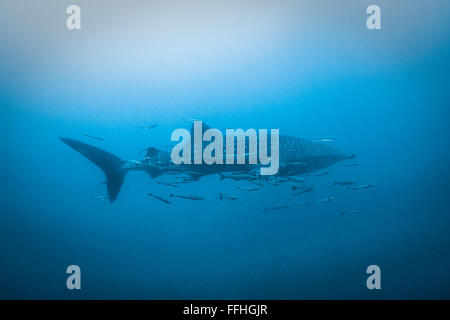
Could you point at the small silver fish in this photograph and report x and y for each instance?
(302, 189)
(159, 198)
(345, 182)
(364, 186)
(351, 165)
(188, 175)
(244, 173)
(172, 173)
(352, 212)
(256, 183)
(189, 179)
(237, 176)
(182, 181)
(248, 189)
(276, 208)
(223, 196)
(320, 174)
(93, 137)
(296, 179)
(303, 204)
(298, 163)
(326, 201)
(295, 194)
(189, 197)
(167, 184)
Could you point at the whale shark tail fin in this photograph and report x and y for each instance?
(109, 163)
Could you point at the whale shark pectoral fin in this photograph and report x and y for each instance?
(153, 172)
(109, 163)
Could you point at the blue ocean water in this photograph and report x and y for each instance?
(310, 68)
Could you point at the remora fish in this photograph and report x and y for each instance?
(93, 137)
(276, 208)
(351, 165)
(159, 198)
(296, 179)
(364, 186)
(167, 184)
(256, 183)
(304, 204)
(300, 192)
(297, 156)
(223, 196)
(190, 197)
(345, 182)
(326, 201)
(248, 189)
(302, 189)
(272, 182)
(352, 212)
(319, 174)
(237, 176)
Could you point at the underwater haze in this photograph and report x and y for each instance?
(311, 69)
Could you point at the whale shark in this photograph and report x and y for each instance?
(297, 156)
